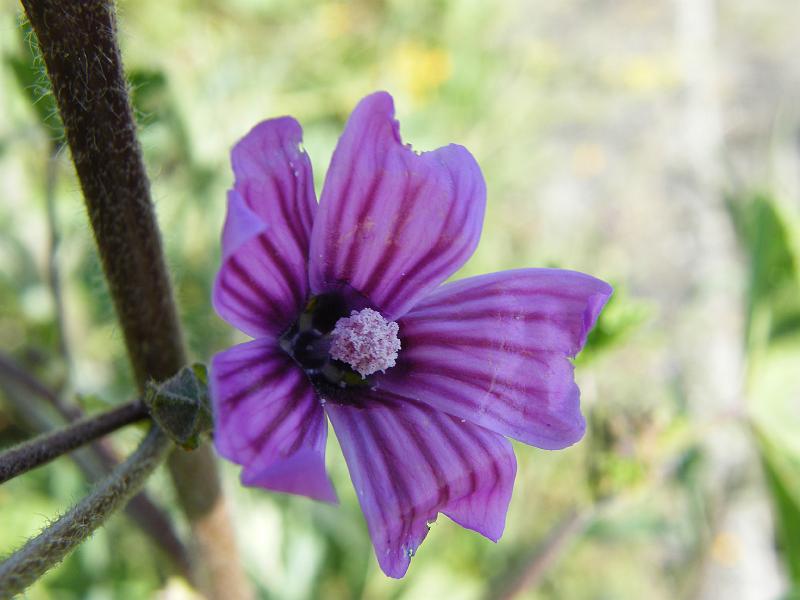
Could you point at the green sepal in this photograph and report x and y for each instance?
(181, 405)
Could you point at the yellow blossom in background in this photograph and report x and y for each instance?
(421, 69)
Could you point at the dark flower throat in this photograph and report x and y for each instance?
(308, 342)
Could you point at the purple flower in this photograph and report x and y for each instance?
(422, 381)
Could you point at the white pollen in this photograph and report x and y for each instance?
(365, 341)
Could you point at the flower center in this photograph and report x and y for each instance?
(365, 341)
(338, 352)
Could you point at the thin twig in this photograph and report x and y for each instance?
(50, 547)
(53, 272)
(44, 448)
(78, 41)
(95, 462)
(21, 377)
(544, 556)
(539, 562)
(70, 411)
(32, 415)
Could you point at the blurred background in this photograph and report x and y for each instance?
(654, 144)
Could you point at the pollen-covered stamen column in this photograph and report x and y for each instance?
(365, 341)
(79, 47)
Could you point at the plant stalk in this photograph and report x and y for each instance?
(78, 41)
(95, 462)
(44, 448)
(50, 547)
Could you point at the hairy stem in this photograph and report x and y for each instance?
(79, 46)
(94, 465)
(50, 547)
(44, 448)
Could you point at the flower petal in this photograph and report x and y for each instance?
(409, 462)
(393, 224)
(269, 420)
(273, 175)
(263, 281)
(495, 350)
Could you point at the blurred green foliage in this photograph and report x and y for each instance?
(781, 472)
(768, 235)
(621, 317)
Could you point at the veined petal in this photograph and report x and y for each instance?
(408, 462)
(256, 290)
(262, 283)
(393, 224)
(273, 175)
(269, 420)
(495, 350)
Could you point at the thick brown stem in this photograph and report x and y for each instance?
(79, 47)
(77, 40)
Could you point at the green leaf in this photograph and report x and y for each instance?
(766, 234)
(772, 390)
(620, 317)
(181, 405)
(782, 474)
